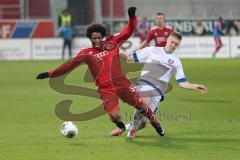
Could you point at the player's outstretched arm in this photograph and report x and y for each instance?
(59, 71)
(144, 44)
(128, 30)
(64, 68)
(191, 86)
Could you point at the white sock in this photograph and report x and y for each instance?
(128, 126)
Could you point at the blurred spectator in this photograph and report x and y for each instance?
(160, 33)
(143, 29)
(199, 29)
(66, 31)
(64, 18)
(217, 32)
(232, 28)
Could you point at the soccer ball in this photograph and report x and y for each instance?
(69, 129)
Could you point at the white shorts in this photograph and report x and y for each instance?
(154, 96)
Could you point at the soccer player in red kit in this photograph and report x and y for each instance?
(103, 60)
(160, 33)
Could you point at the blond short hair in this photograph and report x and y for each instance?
(176, 34)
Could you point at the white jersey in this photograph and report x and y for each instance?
(159, 67)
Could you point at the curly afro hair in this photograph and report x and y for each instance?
(96, 28)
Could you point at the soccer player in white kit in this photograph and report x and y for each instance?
(161, 64)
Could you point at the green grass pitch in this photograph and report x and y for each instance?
(197, 126)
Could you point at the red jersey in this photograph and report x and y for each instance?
(159, 35)
(103, 62)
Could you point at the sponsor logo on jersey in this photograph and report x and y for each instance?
(166, 33)
(155, 52)
(160, 39)
(100, 55)
(163, 67)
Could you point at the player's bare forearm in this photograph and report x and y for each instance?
(123, 55)
(144, 44)
(191, 86)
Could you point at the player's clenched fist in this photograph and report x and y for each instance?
(131, 12)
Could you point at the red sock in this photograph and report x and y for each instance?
(151, 116)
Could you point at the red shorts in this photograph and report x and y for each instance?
(121, 88)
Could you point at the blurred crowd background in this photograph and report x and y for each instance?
(190, 17)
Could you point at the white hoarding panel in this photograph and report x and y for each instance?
(202, 47)
(79, 43)
(47, 49)
(15, 49)
(130, 45)
(235, 47)
(52, 48)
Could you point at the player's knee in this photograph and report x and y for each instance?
(136, 102)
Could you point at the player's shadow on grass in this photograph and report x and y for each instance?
(206, 100)
(78, 144)
(207, 140)
(156, 141)
(178, 142)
